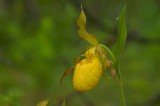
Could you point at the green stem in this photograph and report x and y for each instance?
(121, 83)
(117, 66)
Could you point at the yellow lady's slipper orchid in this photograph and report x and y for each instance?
(88, 71)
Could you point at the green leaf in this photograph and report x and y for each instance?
(122, 33)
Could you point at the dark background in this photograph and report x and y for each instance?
(39, 41)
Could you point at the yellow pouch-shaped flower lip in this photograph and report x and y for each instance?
(87, 72)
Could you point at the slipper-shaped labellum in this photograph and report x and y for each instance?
(87, 72)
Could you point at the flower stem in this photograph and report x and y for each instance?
(122, 95)
(121, 83)
(117, 66)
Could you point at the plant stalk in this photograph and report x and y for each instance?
(121, 83)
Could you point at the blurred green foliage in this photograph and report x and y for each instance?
(39, 40)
